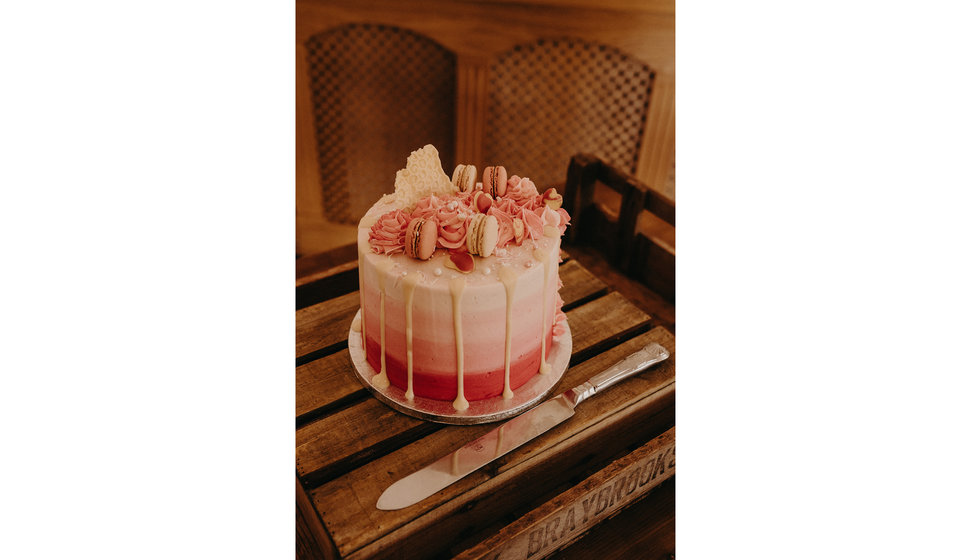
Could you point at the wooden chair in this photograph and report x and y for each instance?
(631, 223)
(378, 92)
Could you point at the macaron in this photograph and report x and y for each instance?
(420, 238)
(481, 238)
(464, 177)
(495, 180)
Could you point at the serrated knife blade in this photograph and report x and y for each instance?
(512, 434)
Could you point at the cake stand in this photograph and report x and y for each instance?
(479, 412)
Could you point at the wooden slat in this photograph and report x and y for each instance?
(320, 265)
(353, 436)
(365, 430)
(580, 285)
(332, 281)
(347, 503)
(326, 383)
(603, 323)
(326, 324)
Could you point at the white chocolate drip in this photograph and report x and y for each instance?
(360, 289)
(408, 290)
(381, 380)
(500, 440)
(456, 290)
(508, 277)
(542, 255)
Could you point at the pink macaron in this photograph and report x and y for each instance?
(495, 180)
(420, 238)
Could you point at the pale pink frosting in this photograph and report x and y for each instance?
(533, 224)
(451, 212)
(548, 216)
(505, 226)
(565, 218)
(558, 328)
(426, 207)
(522, 191)
(388, 233)
(509, 206)
(452, 227)
(558, 218)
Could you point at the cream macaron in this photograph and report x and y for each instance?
(464, 177)
(481, 238)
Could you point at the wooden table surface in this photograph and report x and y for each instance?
(350, 446)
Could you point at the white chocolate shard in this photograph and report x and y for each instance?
(422, 176)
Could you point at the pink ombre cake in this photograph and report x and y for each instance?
(475, 319)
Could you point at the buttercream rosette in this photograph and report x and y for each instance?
(387, 235)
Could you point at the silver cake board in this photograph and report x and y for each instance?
(482, 411)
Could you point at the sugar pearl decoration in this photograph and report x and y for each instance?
(486, 270)
(438, 272)
(528, 264)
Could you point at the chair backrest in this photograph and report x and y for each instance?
(379, 92)
(553, 98)
(625, 219)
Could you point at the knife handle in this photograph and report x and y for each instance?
(631, 365)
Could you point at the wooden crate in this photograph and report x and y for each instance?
(350, 446)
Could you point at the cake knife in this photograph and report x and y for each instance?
(512, 434)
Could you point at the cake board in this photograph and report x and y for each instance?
(481, 411)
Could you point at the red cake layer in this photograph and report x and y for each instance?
(443, 385)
